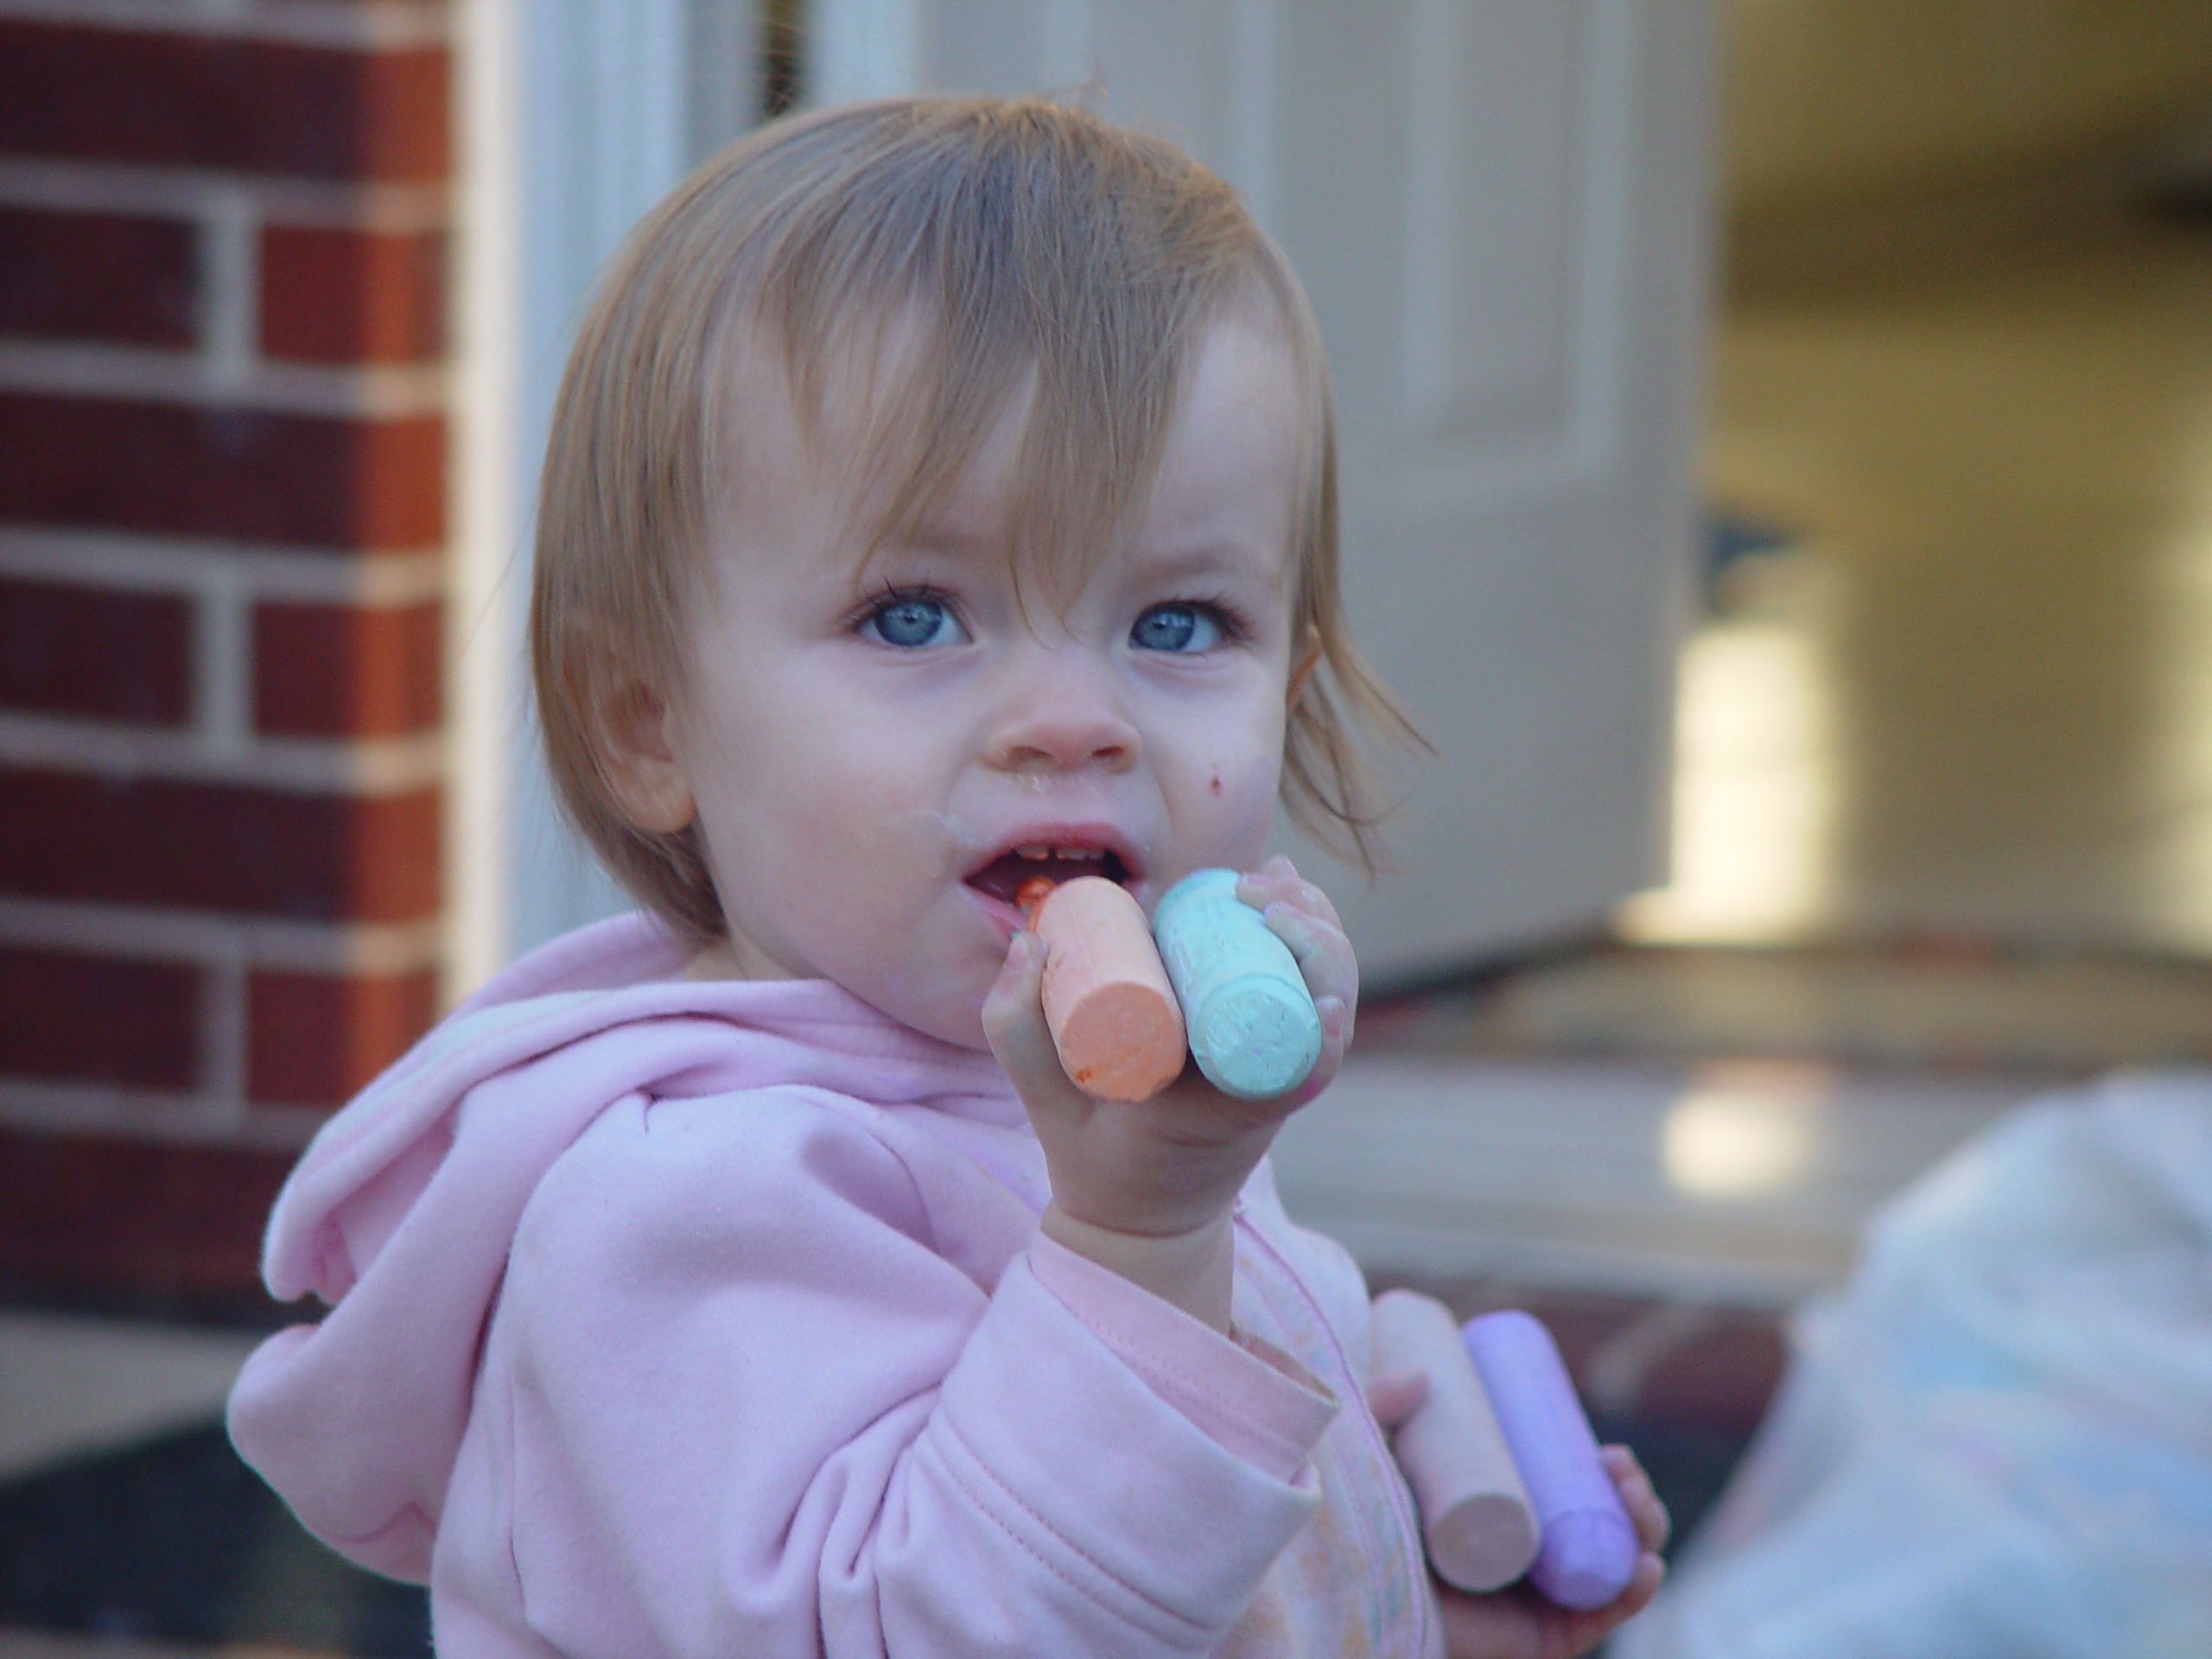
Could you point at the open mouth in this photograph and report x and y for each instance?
(1005, 876)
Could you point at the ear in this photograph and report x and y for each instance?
(1301, 668)
(645, 765)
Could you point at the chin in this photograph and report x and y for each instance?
(951, 1010)
(962, 1026)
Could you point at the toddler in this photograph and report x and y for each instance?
(940, 495)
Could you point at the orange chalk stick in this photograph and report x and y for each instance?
(1113, 1015)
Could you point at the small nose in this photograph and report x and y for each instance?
(1060, 718)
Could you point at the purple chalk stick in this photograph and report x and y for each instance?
(1589, 1549)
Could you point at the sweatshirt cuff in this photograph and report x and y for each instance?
(1246, 1395)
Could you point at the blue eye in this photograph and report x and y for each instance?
(1181, 628)
(912, 622)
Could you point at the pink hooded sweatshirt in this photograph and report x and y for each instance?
(713, 1319)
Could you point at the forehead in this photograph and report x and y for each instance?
(857, 433)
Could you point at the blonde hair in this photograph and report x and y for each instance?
(1046, 256)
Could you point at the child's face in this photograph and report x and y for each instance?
(868, 753)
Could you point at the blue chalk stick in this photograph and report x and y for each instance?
(1252, 1026)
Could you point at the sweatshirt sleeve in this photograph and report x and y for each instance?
(740, 1397)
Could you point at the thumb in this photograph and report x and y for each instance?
(1014, 1022)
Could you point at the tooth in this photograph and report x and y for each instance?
(1076, 854)
(1033, 850)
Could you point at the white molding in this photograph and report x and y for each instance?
(487, 495)
(574, 119)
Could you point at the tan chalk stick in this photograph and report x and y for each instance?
(1113, 1015)
(1476, 1517)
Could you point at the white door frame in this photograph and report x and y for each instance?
(572, 122)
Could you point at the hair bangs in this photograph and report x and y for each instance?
(1006, 265)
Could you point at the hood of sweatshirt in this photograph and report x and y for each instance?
(400, 1213)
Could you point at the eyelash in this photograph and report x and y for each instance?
(1234, 630)
(1224, 615)
(891, 594)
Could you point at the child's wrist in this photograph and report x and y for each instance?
(1194, 1271)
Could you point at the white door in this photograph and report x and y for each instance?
(1502, 209)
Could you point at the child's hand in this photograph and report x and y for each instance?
(1519, 1623)
(1145, 1187)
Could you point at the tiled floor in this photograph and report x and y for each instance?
(1733, 1183)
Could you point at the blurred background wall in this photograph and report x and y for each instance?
(1837, 103)
(1952, 684)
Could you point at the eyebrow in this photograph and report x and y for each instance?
(1226, 560)
(926, 537)
(1209, 558)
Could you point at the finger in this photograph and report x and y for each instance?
(1638, 1496)
(1396, 1395)
(1301, 915)
(1573, 1632)
(1013, 1024)
(1324, 955)
(1501, 1625)
(1276, 881)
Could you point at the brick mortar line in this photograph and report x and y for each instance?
(230, 293)
(205, 940)
(176, 192)
(222, 1030)
(198, 569)
(353, 767)
(222, 661)
(294, 23)
(143, 1115)
(145, 374)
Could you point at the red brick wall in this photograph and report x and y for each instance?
(222, 505)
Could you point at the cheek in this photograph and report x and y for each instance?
(1239, 789)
